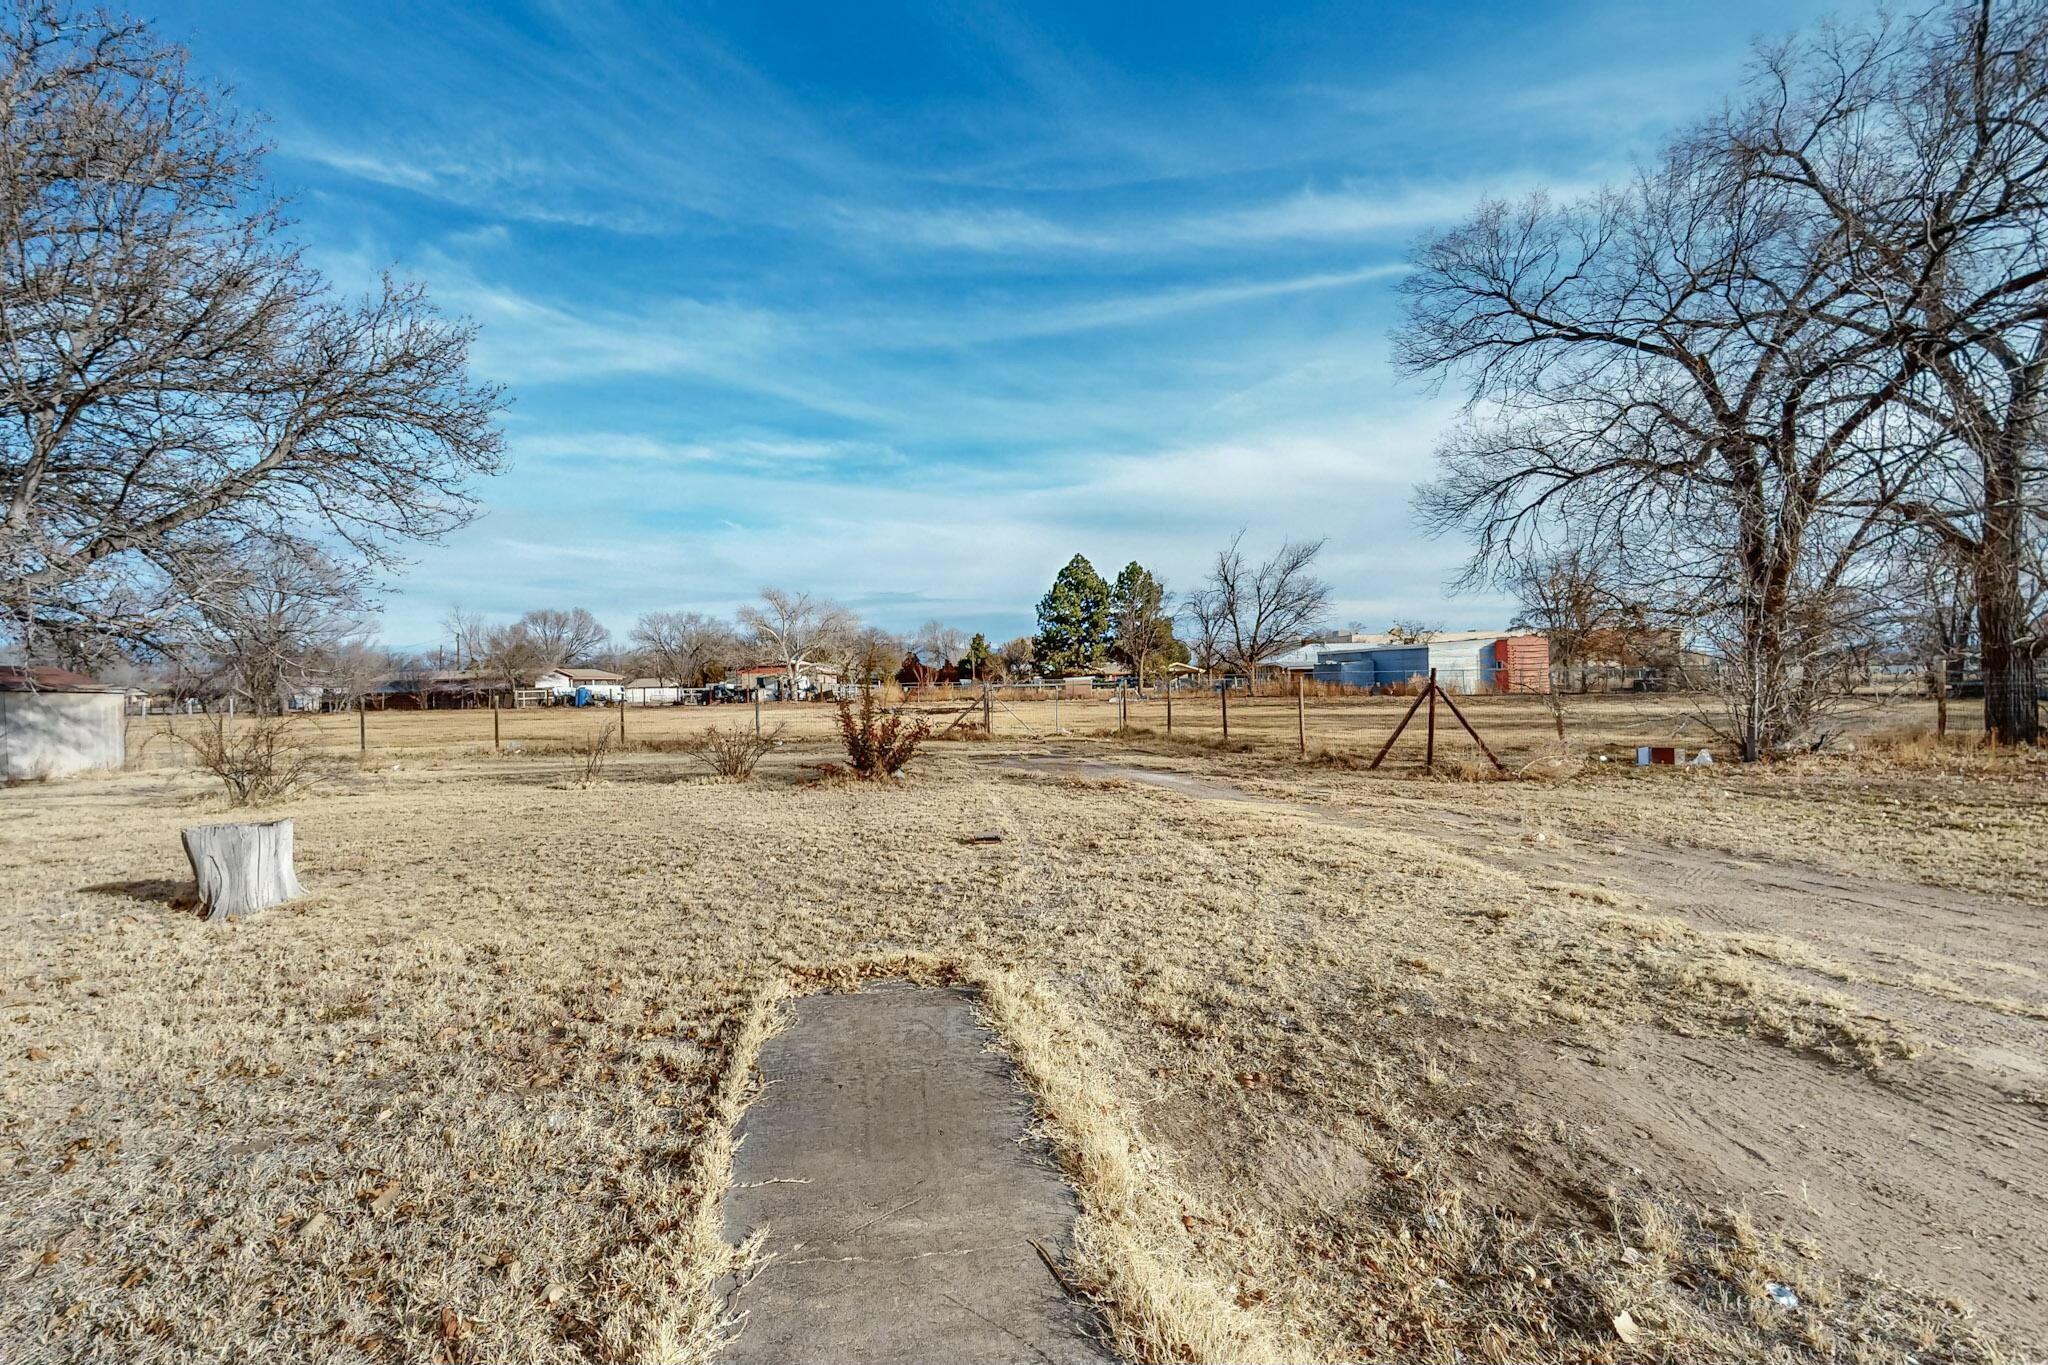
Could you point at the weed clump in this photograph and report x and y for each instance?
(736, 751)
(878, 746)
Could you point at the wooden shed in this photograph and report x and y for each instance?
(54, 723)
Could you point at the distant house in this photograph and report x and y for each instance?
(436, 689)
(656, 692)
(771, 680)
(564, 683)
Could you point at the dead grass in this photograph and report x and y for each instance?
(474, 1097)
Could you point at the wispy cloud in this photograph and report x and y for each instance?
(908, 306)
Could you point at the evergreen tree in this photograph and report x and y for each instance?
(1073, 620)
(977, 661)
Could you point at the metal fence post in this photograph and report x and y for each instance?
(497, 745)
(1429, 752)
(1225, 696)
(362, 728)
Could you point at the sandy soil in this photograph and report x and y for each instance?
(1938, 1166)
(1341, 1067)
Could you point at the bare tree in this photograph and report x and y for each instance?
(512, 656)
(937, 644)
(1245, 615)
(1567, 598)
(352, 669)
(798, 629)
(565, 637)
(1207, 624)
(1018, 656)
(683, 647)
(1923, 146)
(1938, 618)
(869, 655)
(1410, 630)
(1655, 369)
(272, 620)
(468, 635)
(173, 376)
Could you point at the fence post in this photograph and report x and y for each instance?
(622, 718)
(1225, 695)
(988, 710)
(496, 745)
(362, 728)
(1429, 751)
(1169, 710)
(1123, 713)
(757, 706)
(1300, 717)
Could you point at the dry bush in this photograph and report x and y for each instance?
(734, 752)
(1472, 769)
(259, 760)
(878, 746)
(592, 752)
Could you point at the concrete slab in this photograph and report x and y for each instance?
(886, 1156)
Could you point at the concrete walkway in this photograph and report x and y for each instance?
(885, 1154)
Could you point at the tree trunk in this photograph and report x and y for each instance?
(241, 869)
(2011, 681)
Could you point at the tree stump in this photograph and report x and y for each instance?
(241, 869)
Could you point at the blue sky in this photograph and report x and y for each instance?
(906, 305)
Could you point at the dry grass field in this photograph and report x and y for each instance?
(1594, 1063)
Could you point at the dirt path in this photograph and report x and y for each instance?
(1933, 1172)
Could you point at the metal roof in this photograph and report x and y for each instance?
(40, 678)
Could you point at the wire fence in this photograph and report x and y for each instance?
(1278, 719)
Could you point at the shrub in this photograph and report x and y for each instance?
(734, 752)
(877, 747)
(258, 760)
(592, 752)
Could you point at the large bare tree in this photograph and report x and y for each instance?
(273, 621)
(541, 640)
(797, 629)
(1923, 146)
(1244, 614)
(937, 644)
(566, 637)
(683, 646)
(173, 376)
(1663, 370)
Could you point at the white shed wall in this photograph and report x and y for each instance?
(1460, 663)
(55, 734)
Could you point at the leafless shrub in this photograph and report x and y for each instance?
(592, 752)
(878, 746)
(258, 760)
(734, 752)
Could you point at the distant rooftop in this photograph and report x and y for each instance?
(40, 678)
